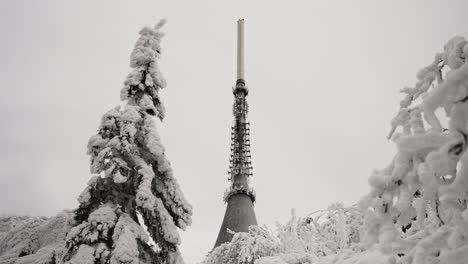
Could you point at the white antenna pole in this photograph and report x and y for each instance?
(240, 49)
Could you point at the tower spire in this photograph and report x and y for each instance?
(240, 49)
(239, 196)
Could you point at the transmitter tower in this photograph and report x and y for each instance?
(239, 196)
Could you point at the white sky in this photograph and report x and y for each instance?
(324, 78)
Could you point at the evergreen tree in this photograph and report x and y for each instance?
(417, 210)
(134, 186)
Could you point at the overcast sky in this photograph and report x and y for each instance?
(324, 78)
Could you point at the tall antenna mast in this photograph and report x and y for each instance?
(240, 50)
(239, 196)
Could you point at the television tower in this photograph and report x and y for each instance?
(239, 196)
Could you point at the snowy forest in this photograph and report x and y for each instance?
(133, 207)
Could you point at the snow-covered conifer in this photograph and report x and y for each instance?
(417, 206)
(134, 179)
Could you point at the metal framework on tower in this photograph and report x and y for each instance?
(240, 168)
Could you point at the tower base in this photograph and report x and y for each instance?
(238, 217)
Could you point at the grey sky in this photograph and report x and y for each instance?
(324, 79)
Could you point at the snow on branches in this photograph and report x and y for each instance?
(39, 240)
(325, 233)
(417, 206)
(133, 176)
(245, 247)
(141, 88)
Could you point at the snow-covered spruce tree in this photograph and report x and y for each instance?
(417, 206)
(135, 186)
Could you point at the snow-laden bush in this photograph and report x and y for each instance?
(323, 232)
(416, 210)
(300, 240)
(245, 247)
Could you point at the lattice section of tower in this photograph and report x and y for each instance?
(240, 169)
(240, 160)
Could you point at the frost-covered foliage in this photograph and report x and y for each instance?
(9, 222)
(301, 240)
(246, 247)
(324, 232)
(141, 88)
(416, 211)
(38, 240)
(134, 180)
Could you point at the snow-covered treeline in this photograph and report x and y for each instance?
(33, 239)
(416, 211)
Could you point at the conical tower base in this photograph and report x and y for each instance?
(239, 216)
